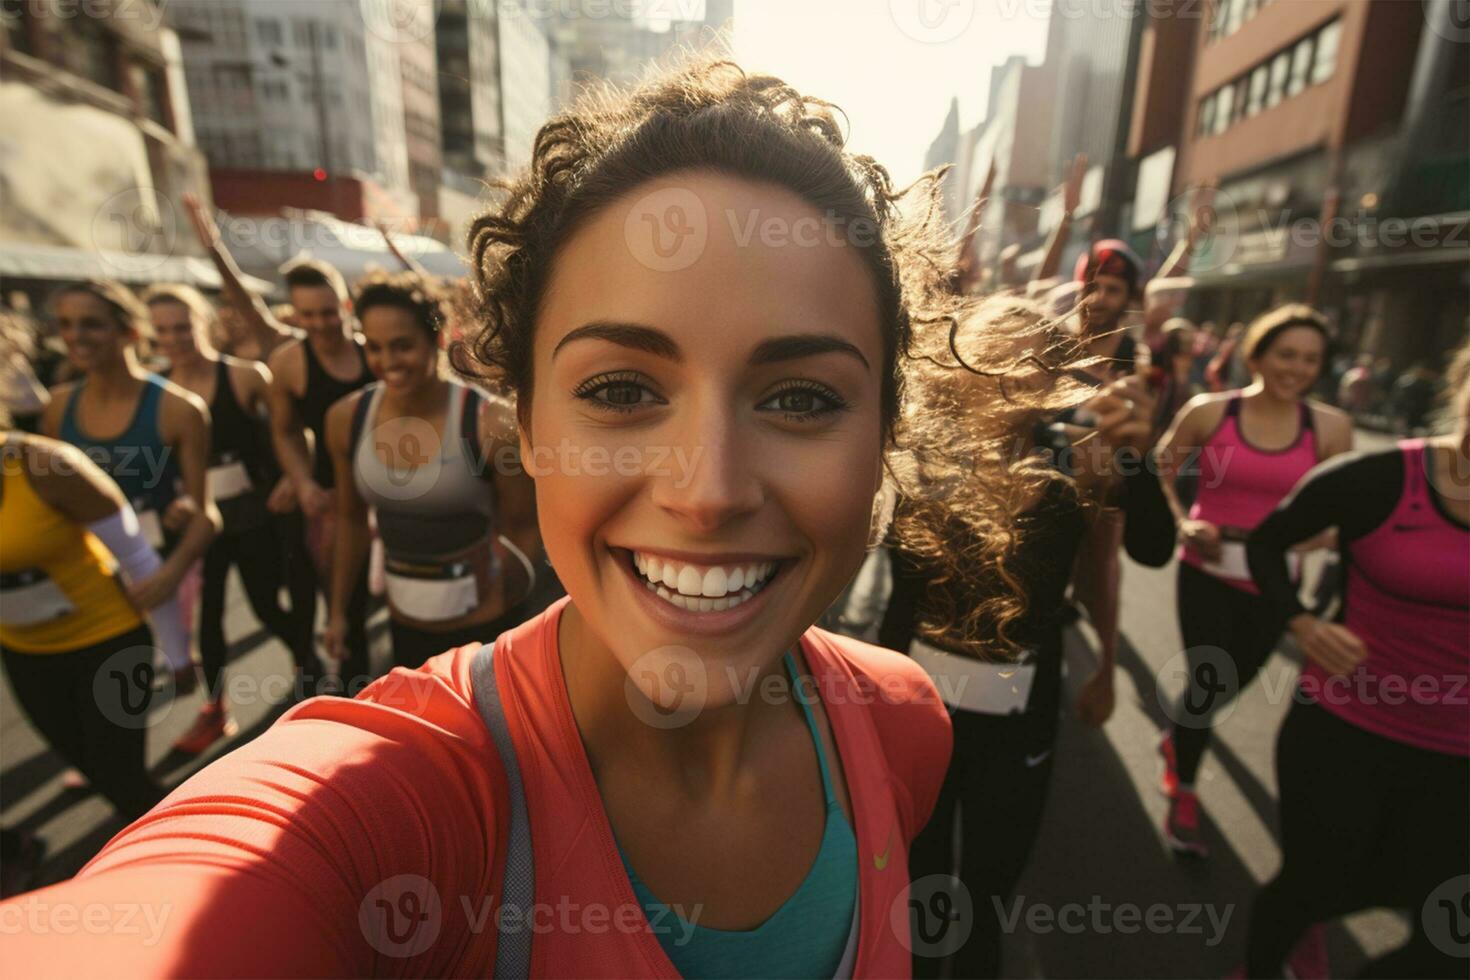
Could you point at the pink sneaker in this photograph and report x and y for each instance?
(1181, 826)
(1168, 775)
(212, 724)
(1308, 960)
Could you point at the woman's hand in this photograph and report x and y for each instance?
(1125, 411)
(178, 514)
(1096, 700)
(1202, 536)
(314, 500)
(155, 589)
(1336, 649)
(282, 499)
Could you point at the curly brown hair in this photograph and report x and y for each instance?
(979, 375)
(405, 290)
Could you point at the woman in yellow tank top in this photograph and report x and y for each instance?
(77, 652)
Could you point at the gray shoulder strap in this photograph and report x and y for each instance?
(513, 948)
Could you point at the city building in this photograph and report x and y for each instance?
(303, 104)
(98, 147)
(1338, 132)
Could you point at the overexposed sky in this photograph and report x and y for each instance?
(891, 65)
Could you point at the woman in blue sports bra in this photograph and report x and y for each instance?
(158, 457)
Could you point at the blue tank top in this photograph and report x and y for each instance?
(806, 936)
(138, 459)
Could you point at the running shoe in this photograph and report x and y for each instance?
(1168, 774)
(212, 724)
(1181, 826)
(1308, 961)
(73, 779)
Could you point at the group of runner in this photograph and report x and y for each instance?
(673, 741)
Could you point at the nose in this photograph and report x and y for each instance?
(709, 477)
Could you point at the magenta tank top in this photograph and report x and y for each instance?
(1407, 596)
(1239, 485)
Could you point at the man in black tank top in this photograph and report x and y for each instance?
(308, 377)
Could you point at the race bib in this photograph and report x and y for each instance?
(976, 685)
(29, 598)
(228, 480)
(431, 593)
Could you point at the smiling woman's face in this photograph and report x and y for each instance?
(715, 428)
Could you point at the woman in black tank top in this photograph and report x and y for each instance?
(321, 392)
(249, 491)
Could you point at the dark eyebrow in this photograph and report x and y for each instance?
(654, 341)
(802, 345)
(631, 335)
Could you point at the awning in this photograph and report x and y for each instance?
(60, 263)
(1409, 260)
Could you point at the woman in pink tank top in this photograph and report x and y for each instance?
(1253, 446)
(1374, 758)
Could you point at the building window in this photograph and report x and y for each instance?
(92, 54)
(1257, 98)
(1224, 103)
(269, 32)
(1324, 61)
(1206, 116)
(1301, 66)
(329, 36)
(301, 33)
(155, 90)
(1280, 71)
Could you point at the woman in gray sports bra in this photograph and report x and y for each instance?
(455, 513)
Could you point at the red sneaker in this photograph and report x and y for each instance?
(1181, 826)
(212, 724)
(1168, 775)
(1308, 961)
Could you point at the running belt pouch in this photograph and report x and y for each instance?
(432, 591)
(513, 946)
(29, 597)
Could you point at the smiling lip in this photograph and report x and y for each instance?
(687, 622)
(713, 558)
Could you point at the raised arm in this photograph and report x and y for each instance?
(1202, 217)
(1057, 243)
(408, 263)
(1183, 437)
(249, 306)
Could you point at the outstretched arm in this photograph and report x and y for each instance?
(1057, 243)
(250, 307)
(408, 263)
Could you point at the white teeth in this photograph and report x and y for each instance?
(714, 583)
(702, 588)
(690, 581)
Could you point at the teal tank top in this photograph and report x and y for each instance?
(806, 936)
(138, 460)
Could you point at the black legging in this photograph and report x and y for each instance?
(1216, 617)
(260, 557)
(304, 581)
(91, 705)
(999, 775)
(1365, 822)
